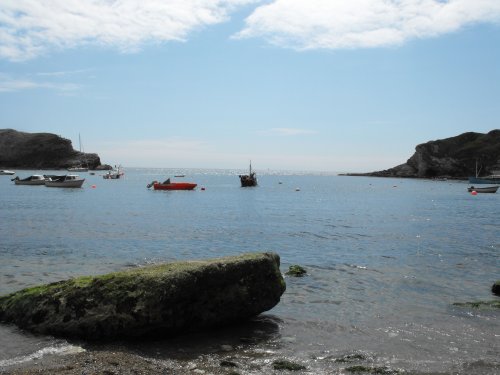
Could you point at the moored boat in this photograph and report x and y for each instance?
(491, 179)
(36, 179)
(488, 189)
(113, 174)
(6, 172)
(168, 185)
(66, 181)
(78, 169)
(249, 179)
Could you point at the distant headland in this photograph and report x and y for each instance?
(454, 158)
(42, 151)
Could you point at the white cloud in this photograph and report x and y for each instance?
(9, 84)
(63, 73)
(29, 27)
(332, 24)
(286, 132)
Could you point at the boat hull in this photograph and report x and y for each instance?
(248, 180)
(489, 189)
(7, 173)
(33, 182)
(65, 184)
(174, 186)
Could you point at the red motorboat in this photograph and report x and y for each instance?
(167, 185)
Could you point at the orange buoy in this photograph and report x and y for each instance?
(473, 192)
(93, 186)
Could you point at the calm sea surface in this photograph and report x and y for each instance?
(386, 260)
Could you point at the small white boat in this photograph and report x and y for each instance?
(6, 172)
(113, 174)
(36, 179)
(78, 169)
(66, 181)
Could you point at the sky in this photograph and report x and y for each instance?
(310, 85)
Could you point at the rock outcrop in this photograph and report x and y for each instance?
(495, 288)
(156, 300)
(454, 157)
(41, 151)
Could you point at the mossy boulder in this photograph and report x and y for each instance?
(495, 288)
(157, 300)
(283, 364)
(296, 271)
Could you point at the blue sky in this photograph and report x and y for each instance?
(320, 85)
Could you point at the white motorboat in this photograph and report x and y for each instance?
(66, 181)
(36, 179)
(6, 172)
(114, 174)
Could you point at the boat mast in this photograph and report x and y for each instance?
(80, 142)
(81, 148)
(477, 172)
(250, 168)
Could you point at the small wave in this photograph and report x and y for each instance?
(51, 350)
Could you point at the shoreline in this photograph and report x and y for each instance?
(95, 362)
(226, 361)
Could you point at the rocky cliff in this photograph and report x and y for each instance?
(41, 151)
(453, 157)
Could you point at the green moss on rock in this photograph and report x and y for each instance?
(287, 365)
(296, 271)
(156, 300)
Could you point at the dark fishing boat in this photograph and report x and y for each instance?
(249, 179)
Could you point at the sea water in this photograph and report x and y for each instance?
(386, 259)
